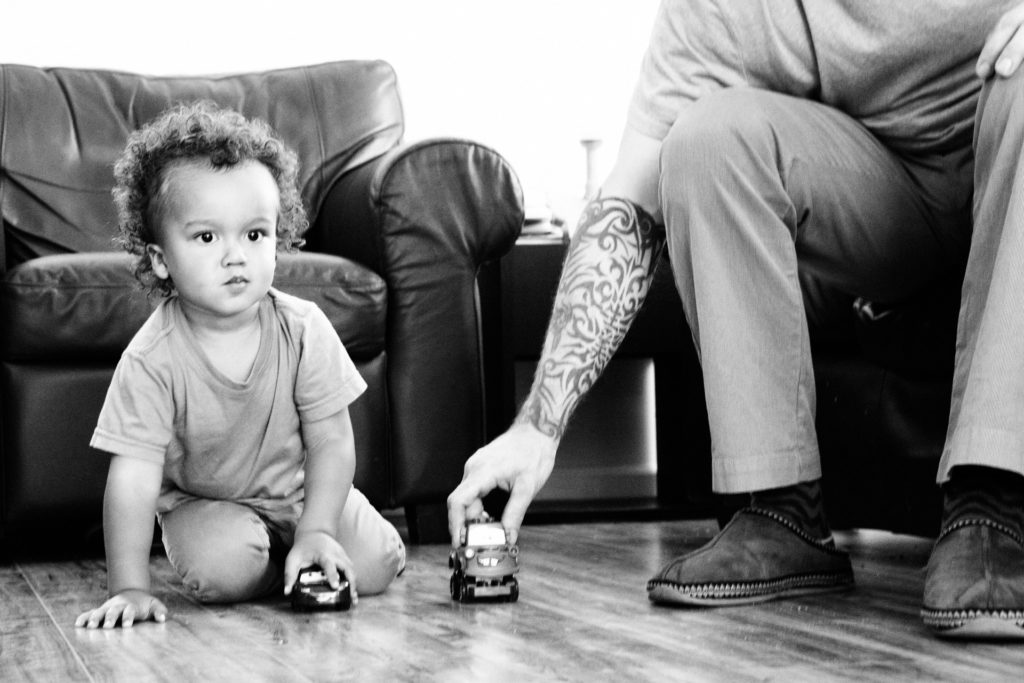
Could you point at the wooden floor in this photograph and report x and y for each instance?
(583, 615)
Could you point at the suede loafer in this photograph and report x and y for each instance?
(974, 587)
(758, 556)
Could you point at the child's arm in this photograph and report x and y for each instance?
(330, 466)
(129, 509)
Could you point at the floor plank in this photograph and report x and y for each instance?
(191, 646)
(582, 615)
(32, 648)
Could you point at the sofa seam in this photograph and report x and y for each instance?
(3, 151)
(319, 133)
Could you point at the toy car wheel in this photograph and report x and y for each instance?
(513, 592)
(454, 587)
(470, 593)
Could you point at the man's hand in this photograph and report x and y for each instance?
(1004, 47)
(519, 461)
(606, 276)
(126, 607)
(320, 548)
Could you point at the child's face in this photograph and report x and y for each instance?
(217, 238)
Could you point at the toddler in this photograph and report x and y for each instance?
(227, 416)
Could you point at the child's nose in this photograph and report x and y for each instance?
(234, 252)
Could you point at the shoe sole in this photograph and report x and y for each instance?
(975, 624)
(751, 593)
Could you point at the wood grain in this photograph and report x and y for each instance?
(32, 648)
(583, 614)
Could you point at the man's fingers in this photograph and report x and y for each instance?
(519, 461)
(457, 522)
(515, 510)
(1009, 59)
(465, 503)
(992, 49)
(1004, 48)
(456, 517)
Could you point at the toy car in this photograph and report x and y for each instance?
(485, 565)
(312, 591)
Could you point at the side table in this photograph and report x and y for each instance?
(639, 440)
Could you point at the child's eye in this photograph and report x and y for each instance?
(256, 235)
(205, 237)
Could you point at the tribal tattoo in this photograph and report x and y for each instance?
(605, 279)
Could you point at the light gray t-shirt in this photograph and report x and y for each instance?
(903, 68)
(216, 437)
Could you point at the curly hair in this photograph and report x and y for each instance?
(190, 132)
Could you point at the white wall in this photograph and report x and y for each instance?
(529, 77)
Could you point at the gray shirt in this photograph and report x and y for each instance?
(217, 437)
(903, 68)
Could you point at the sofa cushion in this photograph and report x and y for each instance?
(62, 129)
(75, 307)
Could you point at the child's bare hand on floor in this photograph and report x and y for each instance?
(125, 608)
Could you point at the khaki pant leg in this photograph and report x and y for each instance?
(757, 188)
(986, 425)
(221, 550)
(372, 543)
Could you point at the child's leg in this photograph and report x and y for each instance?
(221, 550)
(372, 543)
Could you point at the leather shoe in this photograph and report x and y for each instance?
(974, 587)
(758, 556)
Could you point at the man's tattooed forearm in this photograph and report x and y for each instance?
(604, 282)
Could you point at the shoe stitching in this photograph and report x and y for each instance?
(947, 619)
(750, 588)
(776, 517)
(981, 521)
(764, 586)
(951, 619)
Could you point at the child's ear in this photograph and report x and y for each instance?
(156, 259)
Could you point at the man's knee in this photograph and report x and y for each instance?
(730, 126)
(1009, 89)
(1001, 110)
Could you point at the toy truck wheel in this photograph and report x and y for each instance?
(461, 591)
(454, 587)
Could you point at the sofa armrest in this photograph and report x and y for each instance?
(426, 217)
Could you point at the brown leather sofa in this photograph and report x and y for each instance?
(397, 255)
